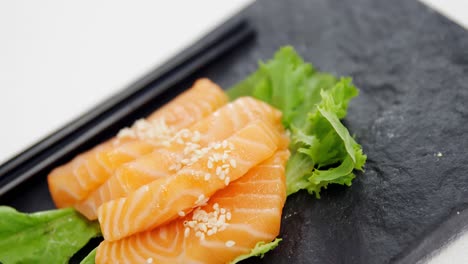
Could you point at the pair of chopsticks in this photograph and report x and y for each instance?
(54, 149)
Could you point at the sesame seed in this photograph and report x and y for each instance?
(187, 232)
(196, 136)
(185, 133)
(230, 243)
(222, 175)
(233, 163)
(174, 167)
(222, 218)
(226, 181)
(149, 260)
(126, 133)
(203, 227)
(200, 198)
(207, 177)
(181, 213)
(210, 164)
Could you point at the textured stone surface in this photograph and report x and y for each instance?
(411, 66)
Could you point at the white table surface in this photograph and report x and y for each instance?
(59, 58)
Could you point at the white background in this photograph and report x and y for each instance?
(59, 58)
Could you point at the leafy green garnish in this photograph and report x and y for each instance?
(258, 251)
(44, 237)
(312, 103)
(90, 259)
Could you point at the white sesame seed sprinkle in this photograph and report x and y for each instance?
(200, 198)
(207, 223)
(196, 136)
(222, 175)
(233, 163)
(149, 260)
(230, 243)
(207, 176)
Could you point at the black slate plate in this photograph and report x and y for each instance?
(411, 65)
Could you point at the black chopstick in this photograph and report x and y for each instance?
(48, 152)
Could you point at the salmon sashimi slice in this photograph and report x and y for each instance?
(161, 163)
(190, 106)
(75, 180)
(164, 199)
(183, 111)
(235, 219)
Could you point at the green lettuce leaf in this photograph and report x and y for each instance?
(258, 251)
(44, 237)
(90, 259)
(313, 103)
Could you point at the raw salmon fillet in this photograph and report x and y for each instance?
(162, 200)
(75, 180)
(163, 162)
(237, 217)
